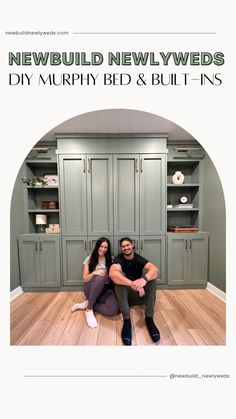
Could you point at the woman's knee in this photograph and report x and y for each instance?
(97, 279)
(96, 284)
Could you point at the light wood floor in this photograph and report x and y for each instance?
(184, 317)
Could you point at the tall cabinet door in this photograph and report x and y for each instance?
(40, 260)
(198, 258)
(187, 258)
(74, 252)
(29, 260)
(73, 194)
(99, 187)
(153, 249)
(50, 267)
(152, 194)
(177, 259)
(126, 194)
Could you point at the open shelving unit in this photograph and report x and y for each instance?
(39, 165)
(190, 188)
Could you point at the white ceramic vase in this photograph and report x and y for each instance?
(178, 178)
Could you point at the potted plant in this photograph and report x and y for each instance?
(33, 181)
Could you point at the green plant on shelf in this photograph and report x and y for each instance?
(33, 181)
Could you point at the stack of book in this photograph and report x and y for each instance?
(182, 228)
(184, 206)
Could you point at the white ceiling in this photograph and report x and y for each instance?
(119, 121)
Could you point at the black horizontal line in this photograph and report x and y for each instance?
(98, 376)
(144, 33)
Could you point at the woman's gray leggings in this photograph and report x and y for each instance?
(100, 298)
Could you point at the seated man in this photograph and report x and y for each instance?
(133, 286)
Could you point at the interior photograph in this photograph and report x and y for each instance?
(97, 191)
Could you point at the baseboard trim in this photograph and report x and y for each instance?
(217, 292)
(15, 293)
(210, 287)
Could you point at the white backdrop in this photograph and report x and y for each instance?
(29, 112)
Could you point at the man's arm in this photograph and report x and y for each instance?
(152, 272)
(116, 275)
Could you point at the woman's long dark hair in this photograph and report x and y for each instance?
(94, 256)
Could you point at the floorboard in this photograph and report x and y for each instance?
(184, 317)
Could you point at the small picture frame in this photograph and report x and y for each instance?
(51, 179)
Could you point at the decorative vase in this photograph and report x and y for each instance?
(178, 178)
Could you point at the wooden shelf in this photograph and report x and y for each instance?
(43, 187)
(184, 185)
(43, 210)
(182, 209)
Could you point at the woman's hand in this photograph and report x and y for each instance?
(87, 276)
(99, 272)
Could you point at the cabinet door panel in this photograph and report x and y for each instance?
(99, 183)
(198, 259)
(177, 260)
(29, 261)
(74, 253)
(152, 195)
(50, 269)
(153, 249)
(126, 194)
(73, 195)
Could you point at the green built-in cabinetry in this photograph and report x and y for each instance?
(86, 194)
(187, 262)
(111, 194)
(40, 164)
(74, 251)
(76, 248)
(139, 194)
(113, 186)
(40, 256)
(187, 258)
(190, 165)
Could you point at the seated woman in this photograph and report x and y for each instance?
(98, 287)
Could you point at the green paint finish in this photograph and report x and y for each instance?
(40, 260)
(153, 249)
(29, 260)
(177, 260)
(214, 221)
(116, 195)
(99, 195)
(152, 194)
(187, 258)
(74, 250)
(126, 194)
(73, 195)
(18, 226)
(50, 260)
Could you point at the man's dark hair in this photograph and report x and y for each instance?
(128, 239)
